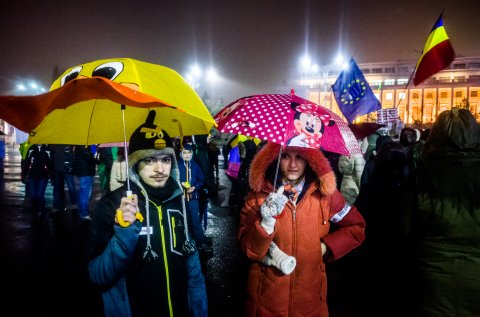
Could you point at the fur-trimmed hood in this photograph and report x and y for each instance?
(316, 160)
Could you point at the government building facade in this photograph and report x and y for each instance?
(392, 83)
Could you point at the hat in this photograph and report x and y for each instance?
(188, 147)
(148, 141)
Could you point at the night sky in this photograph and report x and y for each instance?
(254, 45)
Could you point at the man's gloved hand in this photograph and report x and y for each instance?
(272, 206)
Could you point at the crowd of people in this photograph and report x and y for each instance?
(403, 218)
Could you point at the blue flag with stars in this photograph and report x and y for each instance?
(353, 94)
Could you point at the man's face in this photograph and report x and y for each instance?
(292, 165)
(155, 171)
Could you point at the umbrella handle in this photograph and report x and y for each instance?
(119, 214)
(125, 148)
(276, 171)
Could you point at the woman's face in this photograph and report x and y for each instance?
(292, 165)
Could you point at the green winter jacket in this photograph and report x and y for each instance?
(446, 219)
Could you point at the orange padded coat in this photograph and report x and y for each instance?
(298, 232)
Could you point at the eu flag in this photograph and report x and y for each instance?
(353, 94)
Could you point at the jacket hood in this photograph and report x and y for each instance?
(454, 131)
(267, 158)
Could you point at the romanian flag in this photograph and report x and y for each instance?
(437, 54)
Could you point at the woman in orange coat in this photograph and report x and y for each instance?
(297, 218)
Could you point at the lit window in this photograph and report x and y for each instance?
(429, 95)
(401, 96)
(443, 94)
(473, 93)
(415, 95)
(458, 94)
(388, 96)
(389, 82)
(402, 81)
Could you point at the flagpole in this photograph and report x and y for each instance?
(406, 86)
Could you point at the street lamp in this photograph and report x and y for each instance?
(27, 87)
(313, 75)
(203, 81)
(309, 71)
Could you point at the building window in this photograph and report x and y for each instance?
(402, 81)
(388, 96)
(443, 94)
(415, 95)
(473, 93)
(390, 70)
(474, 65)
(459, 66)
(366, 71)
(389, 82)
(377, 83)
(474, 78)
(376, 71)
(459, 79)
(429, 95)
(458, 94)
(444, 79)
(403, 69)
(401, 96)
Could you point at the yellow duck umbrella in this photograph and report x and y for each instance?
(84, 105)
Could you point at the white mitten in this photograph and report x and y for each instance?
(272, 206)
(279, 259)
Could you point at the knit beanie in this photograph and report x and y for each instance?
(148, 140)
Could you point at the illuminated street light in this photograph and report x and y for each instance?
(203, 81)
(323, 76)
(22, 88)
(212, 75)
(307, 67)
(30, 87)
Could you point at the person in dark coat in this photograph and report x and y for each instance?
(191, 178)
(39, 171)
(445, 220)
(209, 189)
(370, 164)
(85, 168)
(63, 159)
(248, 149)
(383, 259)
(142, 255)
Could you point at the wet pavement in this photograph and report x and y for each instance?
(43, 266)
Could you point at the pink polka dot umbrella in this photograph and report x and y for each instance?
(288, 120)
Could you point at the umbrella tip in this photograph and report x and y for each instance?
(292, 91)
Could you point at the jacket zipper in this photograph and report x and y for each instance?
(165, 261)
(294, 249)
